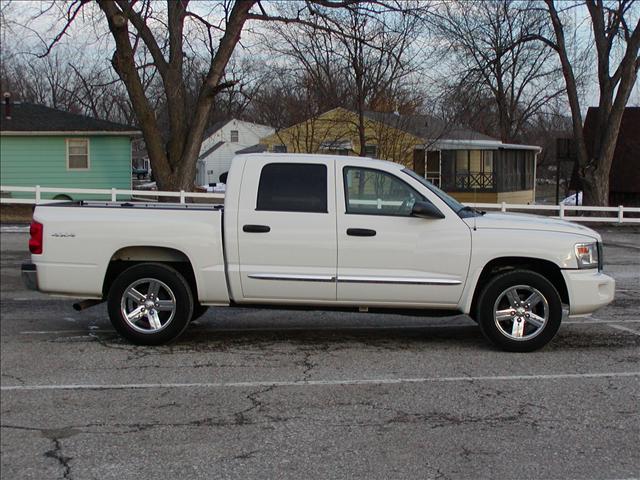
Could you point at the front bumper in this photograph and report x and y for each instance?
(589, 290)
(30, 276)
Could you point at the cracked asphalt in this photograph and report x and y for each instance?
(250, 394)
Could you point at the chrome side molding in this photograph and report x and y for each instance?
(354, 279)
(288, 277)
(398, 280)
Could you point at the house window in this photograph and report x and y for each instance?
(280, 149)
(432, 171)
(235, 136)
(293, 187)
(336, 147)
(474, 170)
(371, 151)
(77, 154)
(487, 159)
(462, 161)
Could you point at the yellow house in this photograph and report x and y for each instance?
(336, 132)
(469, 165)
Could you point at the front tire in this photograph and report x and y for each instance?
(150, 304)
(519, 311)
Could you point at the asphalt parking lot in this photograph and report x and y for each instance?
(271, 394)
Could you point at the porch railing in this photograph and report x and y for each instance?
(475, 181)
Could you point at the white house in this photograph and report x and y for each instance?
(222, 141)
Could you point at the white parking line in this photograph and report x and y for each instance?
(303, 383)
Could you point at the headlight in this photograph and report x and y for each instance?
(587, 255)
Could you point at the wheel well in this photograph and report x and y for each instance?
(547, 269)
(66, 198)
(130, 256)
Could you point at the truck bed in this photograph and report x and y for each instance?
(79, 248)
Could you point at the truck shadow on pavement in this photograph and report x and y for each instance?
(460, 338)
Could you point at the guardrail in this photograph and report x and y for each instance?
(617, 214)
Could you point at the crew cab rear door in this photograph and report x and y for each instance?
(287, 230)
(388, 256)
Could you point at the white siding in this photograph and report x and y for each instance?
(219, 161)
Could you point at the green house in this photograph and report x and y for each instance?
(52, 148)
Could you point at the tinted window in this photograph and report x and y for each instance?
(293, 187)
(373, 192)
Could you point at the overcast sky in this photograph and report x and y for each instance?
(28, 26)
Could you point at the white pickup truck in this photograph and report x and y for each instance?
(319, 232)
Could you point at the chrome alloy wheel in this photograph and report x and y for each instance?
(148, 305)
(521, 312)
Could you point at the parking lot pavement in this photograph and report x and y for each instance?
(275, 394)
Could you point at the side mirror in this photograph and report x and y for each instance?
(426, 210)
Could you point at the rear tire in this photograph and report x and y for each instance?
(150, 304)
(519, 311)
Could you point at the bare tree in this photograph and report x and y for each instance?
(616, 31)
(170, 34)
(37, 81)
(500, 80)
(81, 88)
(235, 101)
(356, 61)
(285, 98)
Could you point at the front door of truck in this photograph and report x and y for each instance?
(388, 256)
(287, 231)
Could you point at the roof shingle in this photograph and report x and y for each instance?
(29, 117)
(427, 127)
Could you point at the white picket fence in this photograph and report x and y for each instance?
(605, 214)
(617, 213)
(6, 194)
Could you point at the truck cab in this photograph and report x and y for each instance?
(347, 226)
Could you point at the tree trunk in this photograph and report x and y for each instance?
(595, 188)
(173, 163)
(361, 132)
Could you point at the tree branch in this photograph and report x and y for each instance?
(145, 33)
(70, 18)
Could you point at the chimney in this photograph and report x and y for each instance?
(7, 105)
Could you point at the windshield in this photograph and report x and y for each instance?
(455, 205)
